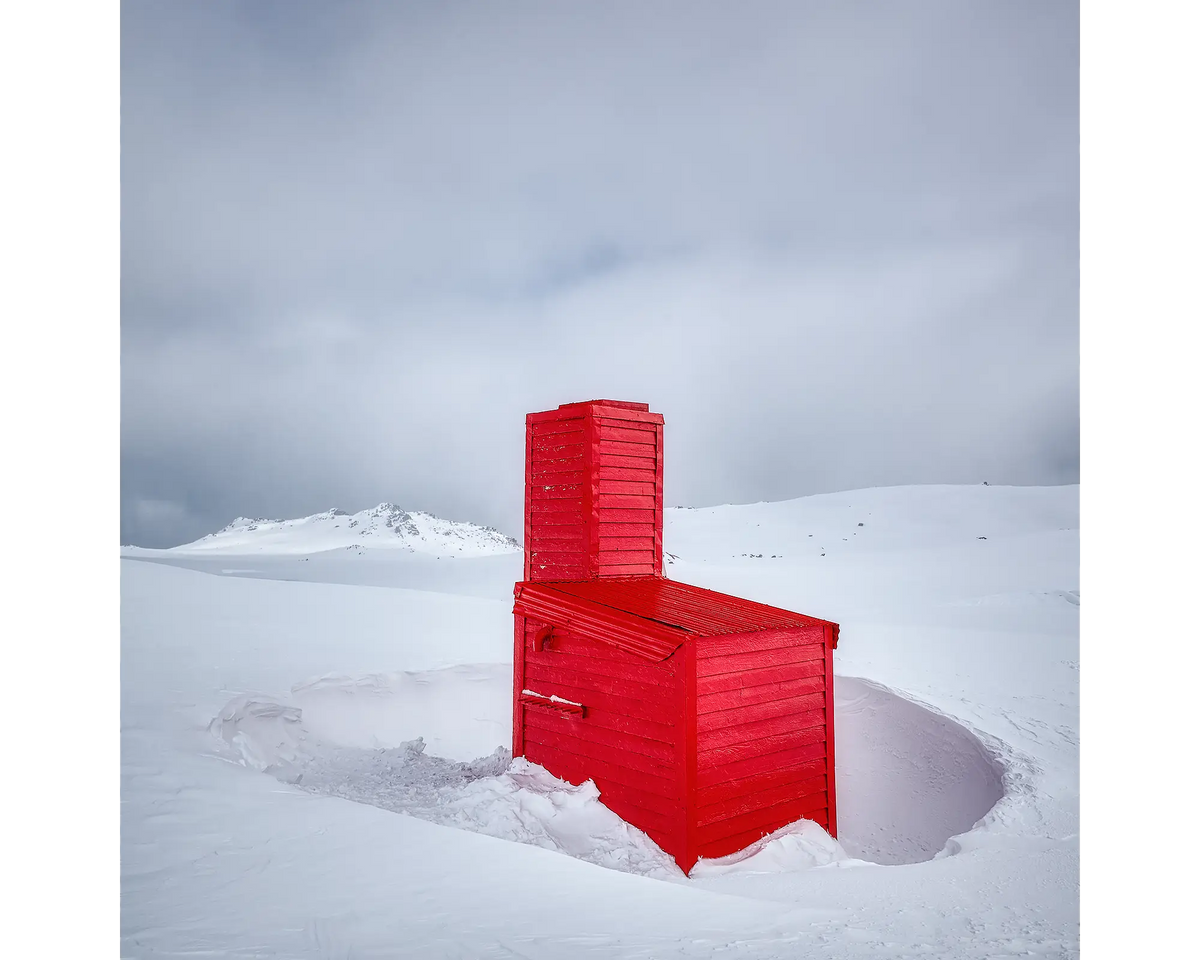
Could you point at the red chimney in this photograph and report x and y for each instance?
(593, 491)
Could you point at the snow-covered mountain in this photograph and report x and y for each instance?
(384, 526)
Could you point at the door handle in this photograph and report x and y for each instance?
(558, 704)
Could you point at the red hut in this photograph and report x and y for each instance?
(704, 720)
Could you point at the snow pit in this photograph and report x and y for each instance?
(909, 779)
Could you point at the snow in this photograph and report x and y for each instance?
(385, 526)
(319, 769)
(553, 698)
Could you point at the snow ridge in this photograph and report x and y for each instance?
(385, 526)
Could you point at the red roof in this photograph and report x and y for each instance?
(649, 616)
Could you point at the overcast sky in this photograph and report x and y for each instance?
(834, 244)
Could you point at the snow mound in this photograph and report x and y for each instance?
(386, 709)
(798, 846)
(909, 779)
(383, 526)
(494, 795)
(264, 733)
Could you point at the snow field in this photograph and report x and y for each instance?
(270, 728)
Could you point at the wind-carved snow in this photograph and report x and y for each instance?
(494, 795)
(909, 779)
(384, 526)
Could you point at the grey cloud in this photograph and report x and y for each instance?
(836, 245)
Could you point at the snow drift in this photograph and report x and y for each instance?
(912, 778)
(494, 795)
